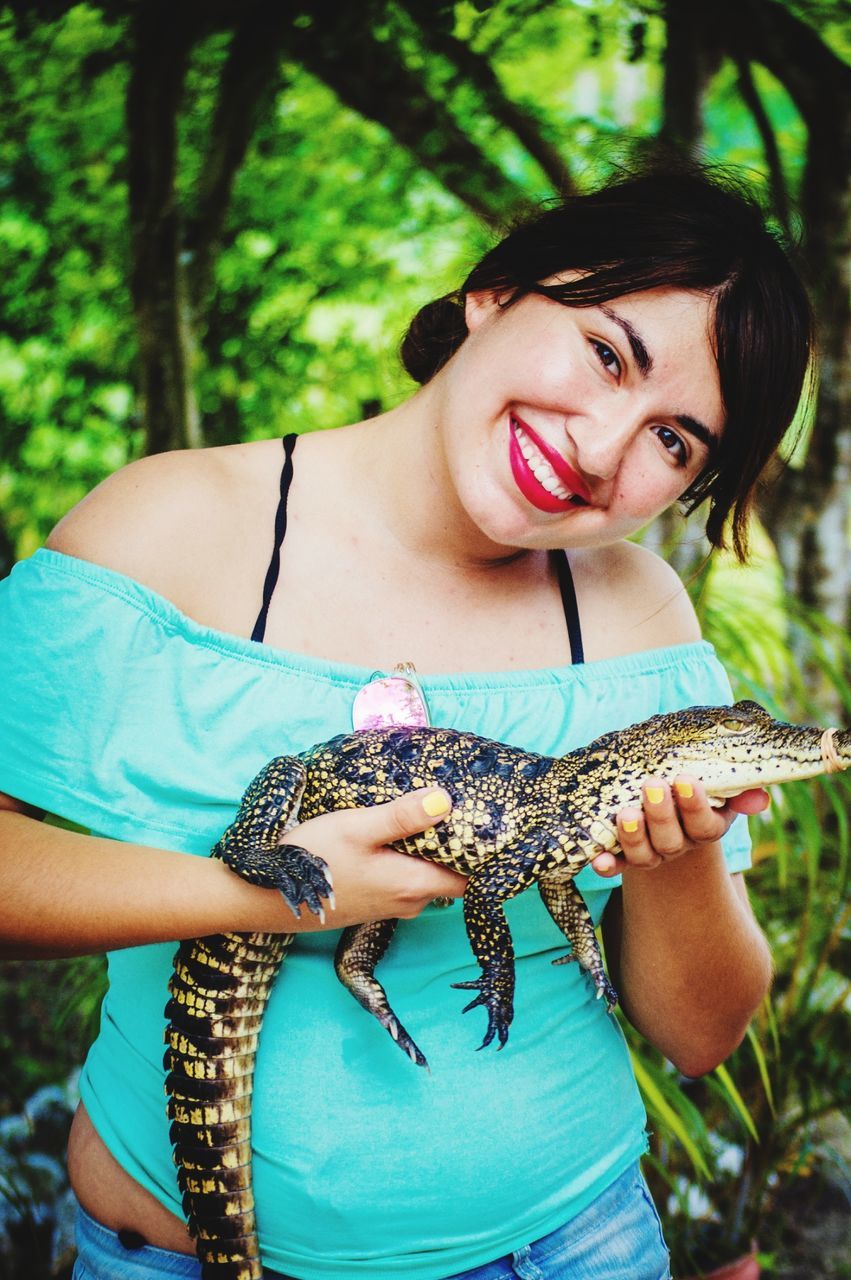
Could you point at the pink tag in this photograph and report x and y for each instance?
(390, 700)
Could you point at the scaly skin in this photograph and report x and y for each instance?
(517, 819)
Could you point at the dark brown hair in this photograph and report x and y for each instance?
(664, 229)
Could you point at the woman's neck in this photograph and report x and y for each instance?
(397, 465)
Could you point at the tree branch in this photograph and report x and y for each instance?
(473, 68)
(768, 32)
(754, 103)
(339, 44)
(250, 77)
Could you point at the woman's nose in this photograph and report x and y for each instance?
(600, 442)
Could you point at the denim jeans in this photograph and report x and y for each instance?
(618, 1237)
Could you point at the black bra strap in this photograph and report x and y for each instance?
(565, 577)
(280, 529)
(571, 609)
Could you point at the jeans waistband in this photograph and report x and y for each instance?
(104, 1254)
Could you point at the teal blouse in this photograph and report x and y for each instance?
(121, 714)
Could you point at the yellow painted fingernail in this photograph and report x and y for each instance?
(684, 789)
(630, 824)
(655, 795)
(436, 802)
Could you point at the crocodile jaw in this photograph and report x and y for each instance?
(831, 753)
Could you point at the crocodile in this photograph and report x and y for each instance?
(517, 819)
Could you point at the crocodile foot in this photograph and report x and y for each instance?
(400, 1035)
(303, 879)
(598, 975)
(358, 952)
(369, 993)
(496, 993)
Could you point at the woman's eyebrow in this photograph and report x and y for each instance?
(698, 430)
(641, 355)
(644, 363)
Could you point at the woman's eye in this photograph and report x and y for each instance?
(608, 358)
(674, 444)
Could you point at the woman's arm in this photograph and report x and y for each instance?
(683, 948)
(65, 893)
(70, 894)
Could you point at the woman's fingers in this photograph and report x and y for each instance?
(634, 840)
(373, 880)
(754, 801)
(408, 815)
(675, 819)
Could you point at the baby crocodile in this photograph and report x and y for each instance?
(517, 819)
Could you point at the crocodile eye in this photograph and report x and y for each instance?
(733, 725)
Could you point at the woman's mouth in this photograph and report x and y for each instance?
(541, 474)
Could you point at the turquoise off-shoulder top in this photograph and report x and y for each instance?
(120, 713)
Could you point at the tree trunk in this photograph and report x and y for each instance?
(162, 37)
(691, 58)
(809, 510)
(251, 76)
(174, 252)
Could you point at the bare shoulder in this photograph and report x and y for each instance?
(630, 599)
(165, 519)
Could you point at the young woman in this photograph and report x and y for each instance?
(624, 351)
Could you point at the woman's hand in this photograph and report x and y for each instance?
(372, 881)
(673, 821)
(682, 947)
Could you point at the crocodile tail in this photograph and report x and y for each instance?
(219, 989)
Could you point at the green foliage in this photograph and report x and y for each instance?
(726, 1148)
(50, 1012)
(335, 239)
(759, 1114)
(335, 234)
(66, 352)
(598, 95)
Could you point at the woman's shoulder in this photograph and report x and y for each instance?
(164, 519)
(630, 600)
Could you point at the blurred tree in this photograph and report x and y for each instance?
(809, 511)
(174, 243)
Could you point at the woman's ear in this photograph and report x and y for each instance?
(478, 306)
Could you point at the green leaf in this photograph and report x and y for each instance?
(762, 1067)
(723, 1075)
(658, 1105)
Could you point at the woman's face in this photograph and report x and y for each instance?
(575, 426)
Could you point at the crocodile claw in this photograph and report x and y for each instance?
(401, 1037)
(499, 1004)
(597, 974)
(605, 991)
(303, 879)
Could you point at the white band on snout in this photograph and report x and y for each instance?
(832, 763)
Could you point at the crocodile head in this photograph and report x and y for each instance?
(731, 748)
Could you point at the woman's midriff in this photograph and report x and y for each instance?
(110, 1195)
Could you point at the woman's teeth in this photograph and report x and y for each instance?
(540, 468)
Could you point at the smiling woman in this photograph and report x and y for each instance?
(672, 231)
(592, 434)
(203, 612)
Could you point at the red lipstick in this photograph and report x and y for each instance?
(528, 483)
